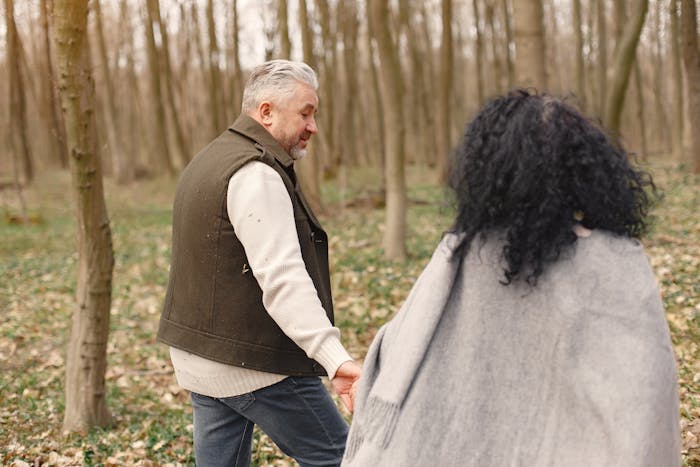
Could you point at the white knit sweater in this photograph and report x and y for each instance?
(262, 217)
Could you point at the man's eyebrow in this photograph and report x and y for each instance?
(308, 106)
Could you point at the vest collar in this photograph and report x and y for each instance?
(246, 126)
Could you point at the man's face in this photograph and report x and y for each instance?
(292, 121)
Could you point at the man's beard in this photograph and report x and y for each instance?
(296, 152)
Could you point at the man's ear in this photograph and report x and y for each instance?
(265, 112)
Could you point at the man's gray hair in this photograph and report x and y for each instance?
(275, 81)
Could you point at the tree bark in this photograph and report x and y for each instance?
(624, 61)
(479, 53)
(87, 350)
(19, 139)
(309, 166)
(283, 21)
(215, 87)
(691, 60)
(602, 57)
(580, 68)
(678, 120)
(509, 41)
(52, 108)
(161, 146)
(391, 82)
(116, 151)
(445, 92)
(530, 66)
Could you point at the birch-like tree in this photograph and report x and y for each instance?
(86, 359)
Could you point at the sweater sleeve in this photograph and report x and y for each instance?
(263, 219)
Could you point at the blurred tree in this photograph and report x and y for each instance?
(86, 359)
(691, 59)
(530, 68)
(19, 138)
(623, 65)
(391, 83)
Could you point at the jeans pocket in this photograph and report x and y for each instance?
(239, 403)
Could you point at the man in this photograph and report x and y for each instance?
(248, 312)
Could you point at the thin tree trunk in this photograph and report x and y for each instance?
(349, 26)
(183, 148)
(580, 68)
(602, 57)
(215, 87)
(161, 145)
(639, 91)
(530, 66)
(87, 350)
(116, 151)
(624, 60)
(238, 71)
(661, 123)
(328, 83)
(445, 93)
(18, 106)
(510, 62)
(691, 59)
(678, 120)
(379, 110)
(134, 113)
(392, 88)
(283, 22)
(479, 43)
(309, 166)
(53, 107)
(496, 45)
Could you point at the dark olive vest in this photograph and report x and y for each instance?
(213, 306)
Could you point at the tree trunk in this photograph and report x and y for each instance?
(691, 59)
(309, 166)
(283, 21)
(18, 107)
(328, 84)
(380, 147)
(499, 82)
(87, 351)
(215, 87)
(602, 57)
(639, 91)
(624, 60)
(479, 53)
(183, 148)
(238, 71)
(678, 121)
(445, 93)
(580, 69)
(509, 42)
(349, 26)
(392, 88)
(661, 123)
(116, 151)
(53, 107)
(530, 67)
(161, 145)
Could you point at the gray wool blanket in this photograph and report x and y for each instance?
(578, 371)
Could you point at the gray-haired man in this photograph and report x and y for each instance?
(248, 313)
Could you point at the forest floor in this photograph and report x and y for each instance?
(151, 423)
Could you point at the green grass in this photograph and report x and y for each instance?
(151, 419)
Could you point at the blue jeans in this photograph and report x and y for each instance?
(297, 413)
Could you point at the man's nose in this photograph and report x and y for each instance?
(311, 126)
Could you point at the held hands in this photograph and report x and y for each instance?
(344, 382)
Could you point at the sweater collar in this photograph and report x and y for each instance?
(248, 127)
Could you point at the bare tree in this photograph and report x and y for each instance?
(214, 84)
(87, 349)
(161, 149)
(445, 92)
(309, 166)
(52, 107)
(479, 52)
(691, 59)
(19, 139)
(624, 61)
(580, 68)
(283, 22)
(391, 82)
(677, 73)
(602, 56)
(530, 67)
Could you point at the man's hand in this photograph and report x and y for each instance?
(342, 382)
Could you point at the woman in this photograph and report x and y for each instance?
(536, 335)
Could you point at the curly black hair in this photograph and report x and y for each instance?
(531, 166)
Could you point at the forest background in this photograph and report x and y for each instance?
(104, 102)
